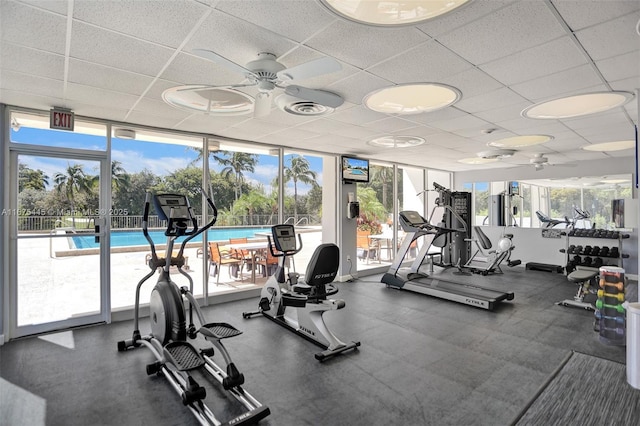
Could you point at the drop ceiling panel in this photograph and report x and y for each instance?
(364, 46)
(189, 69)
(357, 114)
(429, 62)
(291, 134)
(556, 55)
(504, 32)
(508, 112)
(302, 54)
(32, 84)
(46, 31)
(114, 50)
(27, 100)
(489, 101)
(57, 6)
(427, 118)
(472, 82)
(99, 97)
(621, 67)
(90, 74)
(578, 16)
(563, 82)
(236, 40)
(472, 11)
(167, 23)
(611, 38)
(390, 124)
(30, 61)
(161, 121)
(355, 88)
(296, 20)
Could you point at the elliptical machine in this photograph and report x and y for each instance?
(299, 305)
(174, 356)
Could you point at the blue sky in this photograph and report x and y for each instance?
(135, 156)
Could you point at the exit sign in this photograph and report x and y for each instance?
(61, 119)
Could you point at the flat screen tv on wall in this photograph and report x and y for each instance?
(355, 170)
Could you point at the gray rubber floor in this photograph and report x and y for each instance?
(422, 361)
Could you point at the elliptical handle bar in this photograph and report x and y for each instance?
(145, 223)
(197, 231)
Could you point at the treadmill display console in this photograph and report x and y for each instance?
(412, 218)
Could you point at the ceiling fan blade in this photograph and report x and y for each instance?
(214, 57)
(204, 87)
(321, 97)
(262, 105)
(310, 69)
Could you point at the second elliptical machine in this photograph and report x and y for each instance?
(297, 304)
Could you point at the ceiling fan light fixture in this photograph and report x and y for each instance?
(610, 146)
(391, 13)
(577, 105)
(218, 101)
(412, 98)
(396, 141)
(520, 141)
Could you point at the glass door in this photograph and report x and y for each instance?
(58, 241)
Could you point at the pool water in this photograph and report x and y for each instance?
(136, 238)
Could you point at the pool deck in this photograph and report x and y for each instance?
(56, 287)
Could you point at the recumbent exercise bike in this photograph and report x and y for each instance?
(299, 305)
(174, 356)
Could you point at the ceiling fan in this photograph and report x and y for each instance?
(539, 161)
(267, 74)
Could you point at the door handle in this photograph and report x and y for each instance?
(96, 238)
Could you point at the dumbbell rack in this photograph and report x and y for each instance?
(610, 313)
(593, 250)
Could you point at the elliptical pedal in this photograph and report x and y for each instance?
(183, 355)
(219, 330)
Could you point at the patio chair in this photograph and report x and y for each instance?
(367, 249)
(268, 263)
(219, 257)
(243, 255)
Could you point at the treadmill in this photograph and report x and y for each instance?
(412, 279)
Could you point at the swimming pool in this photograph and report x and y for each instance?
(136, 238)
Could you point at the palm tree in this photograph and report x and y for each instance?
(298, 171)
(252, 203)
(235, 163)
(120, 179)
(31, 179)
(384, 175)
(75, 181)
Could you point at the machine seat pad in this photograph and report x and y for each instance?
(219, 330)
(184, 355)
(579, 275)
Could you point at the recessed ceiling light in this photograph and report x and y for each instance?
(477, 160)
(396, 141)
(576, 106)
(610, 146)
(519, 141)
(391, 13)
(614, 181)
(209, 100)
(412, 98)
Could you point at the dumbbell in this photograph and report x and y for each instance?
(618, 296)
(604, 251)
(571, 249)
(595, 251)
(600, 304)
(618, 285)
(586, 261)
(614, 252)
(587, 250)
(598, 262)
(601, 316)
